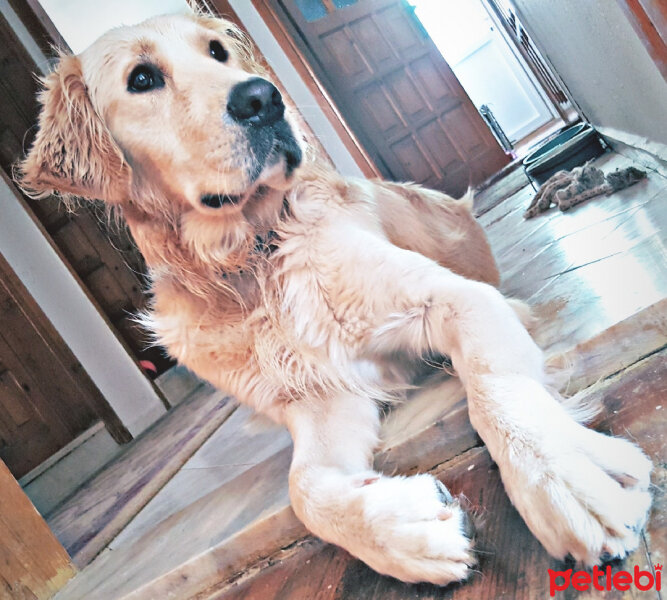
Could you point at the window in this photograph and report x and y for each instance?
(313, 10)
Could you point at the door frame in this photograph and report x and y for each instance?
(649, 20)
(58, 292)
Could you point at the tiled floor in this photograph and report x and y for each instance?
(597, 277)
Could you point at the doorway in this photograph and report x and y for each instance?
(488, 68)
(490, 72)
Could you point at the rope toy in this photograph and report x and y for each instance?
(566, 189)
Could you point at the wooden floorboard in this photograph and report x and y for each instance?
(234, 448)
(178, 383)
(87, 521)
(621, 345)
(498, 191)
(207, 541)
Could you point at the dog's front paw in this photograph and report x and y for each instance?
(416, 531)
(584, 494)
(407, 527)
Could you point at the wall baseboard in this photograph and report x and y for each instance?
(650, 154)
(59, 476)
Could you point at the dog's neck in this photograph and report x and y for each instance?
(218, 253)
(214, 250)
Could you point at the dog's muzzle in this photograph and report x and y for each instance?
(257, 106)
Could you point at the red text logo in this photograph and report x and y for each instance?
(604, 579)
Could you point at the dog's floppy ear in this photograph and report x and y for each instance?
(73, 153)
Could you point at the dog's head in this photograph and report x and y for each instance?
(174, 110)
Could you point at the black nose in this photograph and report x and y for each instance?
(255, 101)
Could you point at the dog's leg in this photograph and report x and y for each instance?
(437, 226)
(580, 492)
(407, 527)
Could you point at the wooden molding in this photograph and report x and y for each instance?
(39, 25)
(649, 20)
(33, 564)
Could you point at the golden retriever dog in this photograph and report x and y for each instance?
(311, 297)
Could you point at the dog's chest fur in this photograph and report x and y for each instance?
(292, 324)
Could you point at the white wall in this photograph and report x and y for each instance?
(603, 63)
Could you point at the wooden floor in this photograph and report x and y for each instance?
(221, 527)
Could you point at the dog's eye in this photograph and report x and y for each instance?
(216, 50)
(144, 78)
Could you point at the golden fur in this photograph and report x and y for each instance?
(314, 296)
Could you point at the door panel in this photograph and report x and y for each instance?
(395, 89)
(379, 109)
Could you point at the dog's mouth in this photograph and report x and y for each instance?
(272, 146)
(276, 155)
(220, 200)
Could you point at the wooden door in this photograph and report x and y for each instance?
(46, 399)
(396, 90)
